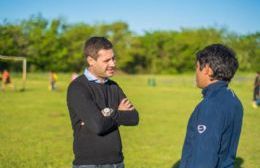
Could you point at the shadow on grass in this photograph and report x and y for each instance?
(176, 165)
(238, 163)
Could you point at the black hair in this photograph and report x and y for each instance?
(221, 59)
(94, 44)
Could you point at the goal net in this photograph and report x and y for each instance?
(17, 66)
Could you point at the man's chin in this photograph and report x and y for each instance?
(110, 73)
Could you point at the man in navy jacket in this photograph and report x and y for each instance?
(214, 127)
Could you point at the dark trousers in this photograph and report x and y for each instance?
(116, 165)
(256, 95)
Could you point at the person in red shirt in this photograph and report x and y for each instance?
(6, 79)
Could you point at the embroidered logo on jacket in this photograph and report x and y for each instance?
(201, 128)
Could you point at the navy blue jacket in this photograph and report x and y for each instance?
(213, 130)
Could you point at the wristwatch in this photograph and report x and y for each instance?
(107, 111)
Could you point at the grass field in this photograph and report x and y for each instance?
(35, 130)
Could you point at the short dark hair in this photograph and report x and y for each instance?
(221, 59)
(94, 44)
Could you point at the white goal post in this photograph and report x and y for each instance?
(15, 58)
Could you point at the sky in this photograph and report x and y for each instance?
(239, 16)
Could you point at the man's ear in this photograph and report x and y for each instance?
(90, 61)
(207, 70)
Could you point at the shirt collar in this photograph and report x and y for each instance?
(92, 77)
(214, 86)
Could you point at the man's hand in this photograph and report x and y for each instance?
(125, 105)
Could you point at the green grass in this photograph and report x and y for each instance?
(35, 128)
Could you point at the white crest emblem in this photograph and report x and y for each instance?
(201, 128)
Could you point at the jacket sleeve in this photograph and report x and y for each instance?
(80, 103)
(126, 118)
(207, 137)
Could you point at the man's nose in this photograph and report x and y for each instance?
(112, 63)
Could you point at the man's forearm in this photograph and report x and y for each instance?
(127, 118)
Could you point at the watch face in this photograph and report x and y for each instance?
(107, 111)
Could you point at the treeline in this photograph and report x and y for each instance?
(57, 45)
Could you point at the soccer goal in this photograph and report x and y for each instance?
(17, 59)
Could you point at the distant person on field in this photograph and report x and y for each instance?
(74, 76)
(98, 107)
(256, 94)
(53, 77)
(214, 127)
(6, 80)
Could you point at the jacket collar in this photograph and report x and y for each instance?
(212, 87)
